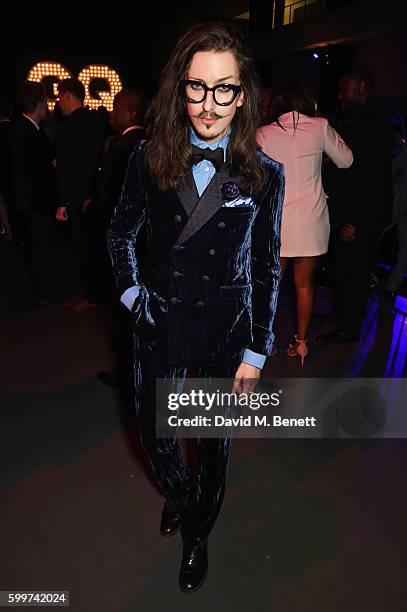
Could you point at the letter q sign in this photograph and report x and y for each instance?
(52, 72)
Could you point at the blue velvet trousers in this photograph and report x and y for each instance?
(203, 488)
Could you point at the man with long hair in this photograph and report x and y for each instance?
(208, 205)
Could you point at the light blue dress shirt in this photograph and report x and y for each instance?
(203, 174)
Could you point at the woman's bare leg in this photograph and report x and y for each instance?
(303, 279)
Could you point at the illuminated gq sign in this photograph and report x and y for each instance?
(101, 82)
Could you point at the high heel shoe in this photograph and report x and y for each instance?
(300, 348)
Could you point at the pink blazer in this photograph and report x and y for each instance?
(305, 222)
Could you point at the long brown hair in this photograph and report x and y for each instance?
(168, 154)
(293, 96)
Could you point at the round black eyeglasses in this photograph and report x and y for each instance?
(223, 94)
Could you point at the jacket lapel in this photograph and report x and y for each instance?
(188, 195)
(207, 205)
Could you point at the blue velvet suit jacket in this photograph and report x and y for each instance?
(209, 276)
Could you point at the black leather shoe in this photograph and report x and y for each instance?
(337, 337)
(171, 520)
(194, 567)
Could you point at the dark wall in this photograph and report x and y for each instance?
(79, 34)
(135, 38)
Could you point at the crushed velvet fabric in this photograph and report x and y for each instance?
(210, 275)
(208, 279)
(204, 488)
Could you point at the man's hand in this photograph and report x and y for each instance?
(246, 378)
(62, 213)
(348, 232)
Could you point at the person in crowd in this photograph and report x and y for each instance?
(127, 119)
(34, 187)
(80, 141)
(393, 283)
(204, 294)
(5, 169)
(298, 139)
(360, 201)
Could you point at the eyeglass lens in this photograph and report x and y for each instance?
(223, 94)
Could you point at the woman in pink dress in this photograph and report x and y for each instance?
(298, 139)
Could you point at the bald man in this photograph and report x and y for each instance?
(127, 118)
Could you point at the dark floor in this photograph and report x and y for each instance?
(307, 525)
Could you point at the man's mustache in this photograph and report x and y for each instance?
(208, 115)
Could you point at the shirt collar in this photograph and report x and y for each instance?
(199, 142)
(35, 124)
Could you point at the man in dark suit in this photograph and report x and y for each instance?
(127, 119)
(360, 201)
(80, 140)
(34, 185)
(5, 169)
(204, 294)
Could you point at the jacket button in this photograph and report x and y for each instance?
(177, 219)
(174, 300)
(200, 304)
(212, 251)
(221, 225)
(205, 278)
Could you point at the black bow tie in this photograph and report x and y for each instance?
(215, 156)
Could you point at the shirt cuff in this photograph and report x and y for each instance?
(254, 359)
(129, 296)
